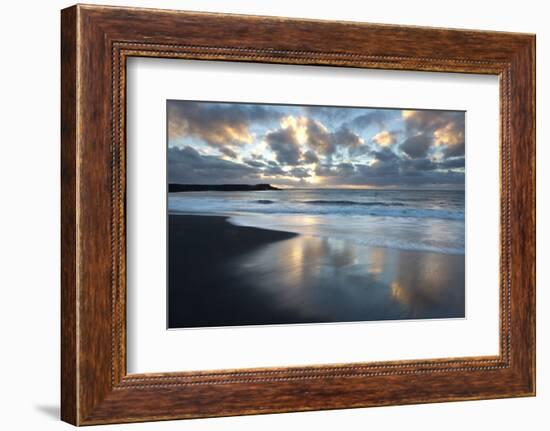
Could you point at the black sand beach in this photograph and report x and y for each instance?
(226, 275)
(203, 291)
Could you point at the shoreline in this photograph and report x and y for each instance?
(250, 220)
(221, 274)
(205, 244)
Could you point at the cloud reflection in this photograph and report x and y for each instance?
(326, 280)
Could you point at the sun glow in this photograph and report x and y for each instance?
(384, 138)
(298, 125)
(448, 135)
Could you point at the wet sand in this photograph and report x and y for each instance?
(220, 274)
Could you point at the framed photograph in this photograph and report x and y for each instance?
(264, 214)
(360, 216)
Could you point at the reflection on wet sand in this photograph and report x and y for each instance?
(226, 275)
(324, 279)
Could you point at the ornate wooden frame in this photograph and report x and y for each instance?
(95, 43)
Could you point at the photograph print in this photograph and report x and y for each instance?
(299, 214)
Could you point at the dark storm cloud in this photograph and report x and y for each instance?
(345, 138)
(426, 164)
(254, 163)
(289, 145)
(372, 118)
(417, 166)
(380, 168)
(389, 169)
(390, 173)
(310, 157)
(187, 165)
(346, 169)
(445, 128)
(339, 170)
(456, 149)
(214, 123)
(384, 155)
(228, 152)
(425, 120)
(455, 162)
(319, 140)
(417, 145)
(327, 143)
(274, 170)
(326, 170)
(284, 144)
(299, 173)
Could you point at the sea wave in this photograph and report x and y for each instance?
(364, 211)
(352, 203)
(271, 207)
(408, 236)
(429, 221)
(333, 202)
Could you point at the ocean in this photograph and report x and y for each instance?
(417, 220)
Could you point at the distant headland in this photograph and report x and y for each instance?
(219, 187)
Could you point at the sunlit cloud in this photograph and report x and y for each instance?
(384, 138)
(314, 146)
(216, 124)
(298, 125)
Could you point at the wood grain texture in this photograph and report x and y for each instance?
(69, 366)
(96, 41)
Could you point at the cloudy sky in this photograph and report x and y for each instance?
(313, 146)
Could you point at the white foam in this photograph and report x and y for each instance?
(436, 236)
